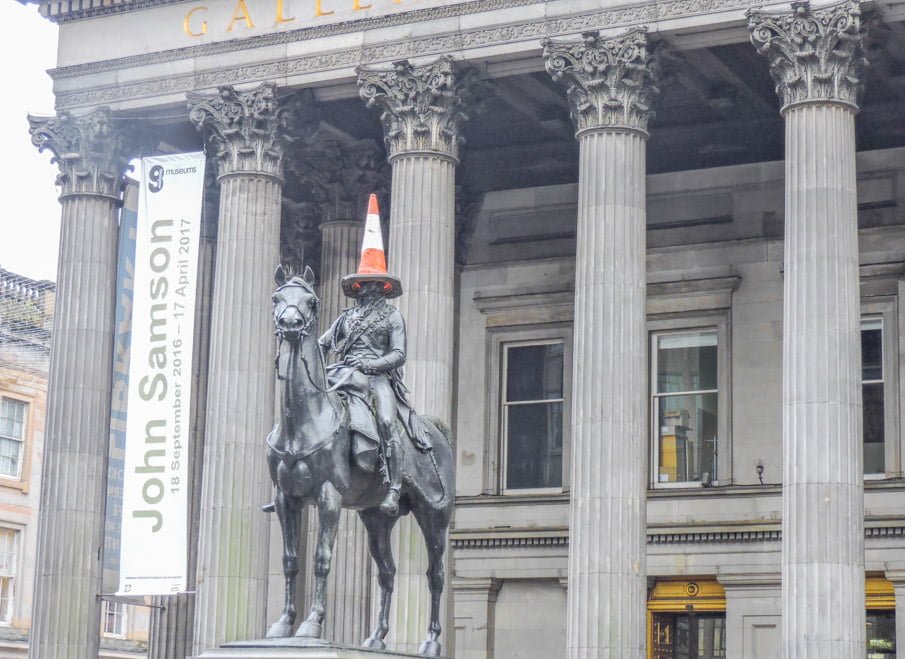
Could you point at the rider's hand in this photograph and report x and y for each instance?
(353, 360)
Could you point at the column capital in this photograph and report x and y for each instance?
(90, 150)
(420, 106)
(610, 83)
(816, 55)
(245, 130)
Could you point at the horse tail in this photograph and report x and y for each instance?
(444, 429)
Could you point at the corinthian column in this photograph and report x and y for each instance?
(815, 60)
(609, 86)
(421, 122)
(244, 132)
(92, 158)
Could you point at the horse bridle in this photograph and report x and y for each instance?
(304, 329)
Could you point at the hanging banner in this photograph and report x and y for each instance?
(122, 337)
(153, 558)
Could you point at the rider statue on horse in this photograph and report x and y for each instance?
(368, 338)
(340, 437)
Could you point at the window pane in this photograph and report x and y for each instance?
(534, 372)
(687, 437)
(12, 418)
(534, 444)
(881, 634)
(871, 350)
(686, 362)
(9, 457)
(874, 446)
(683, 636)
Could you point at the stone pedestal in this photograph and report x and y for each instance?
(66, 610)
(607, 522)
(421, 125)
(233, 532)
(815, 59)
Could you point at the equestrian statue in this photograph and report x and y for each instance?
(348, 437)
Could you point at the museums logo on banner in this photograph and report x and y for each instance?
(153, 556)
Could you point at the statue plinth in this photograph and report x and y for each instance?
(297, 648)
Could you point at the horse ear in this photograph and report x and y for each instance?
(309, 275)
(279, 275)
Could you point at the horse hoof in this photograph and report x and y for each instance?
(429, 649)
(309, 629)
(374, 644)
(279, 630)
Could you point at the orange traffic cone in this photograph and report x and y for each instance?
(373, 263)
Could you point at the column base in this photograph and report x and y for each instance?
(296, 648)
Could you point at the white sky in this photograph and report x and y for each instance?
(30, 217)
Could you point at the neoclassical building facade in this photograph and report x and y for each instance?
(652, 255)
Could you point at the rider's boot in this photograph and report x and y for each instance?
(390, 504)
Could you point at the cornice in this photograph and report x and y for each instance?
(472, 540)
(348, 58)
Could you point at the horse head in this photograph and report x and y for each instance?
(294, 304)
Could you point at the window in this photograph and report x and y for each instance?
(12, 436)
(687, 620)
(872, 394)
(685, 406)
(113, 619)
(532, 415)
(9, 539)
(881, 618)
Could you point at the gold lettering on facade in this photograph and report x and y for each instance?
(318, 10)
(357, 6)
(186, 24)
(240, 13)
(280, 18)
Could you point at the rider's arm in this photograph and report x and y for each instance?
(395, 355)
(331, 335)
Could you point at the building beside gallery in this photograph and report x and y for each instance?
(26, 316)
(653, 255)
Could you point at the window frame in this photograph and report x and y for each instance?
(498, 344)
(16, 533)
(720, 323)
(121, 615)
(23, 441)
(885, 311)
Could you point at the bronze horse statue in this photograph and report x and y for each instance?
(316, 457)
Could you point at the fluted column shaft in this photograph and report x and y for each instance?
(92, 156)
(232, 564)
(823, 506)
(816, 60)
(66, 612)
(607, 520)
(609, 83)
(421, 254)
(349, 583)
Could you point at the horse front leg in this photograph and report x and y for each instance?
(329, 505)
(289, 524)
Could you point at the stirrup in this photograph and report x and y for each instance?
(390, 504)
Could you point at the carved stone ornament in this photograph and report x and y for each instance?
(246, 131)
(610, 83)
(420, 106)
(91, 151)
(816, 55)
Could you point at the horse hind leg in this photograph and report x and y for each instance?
(434, 524)
(289, 524)
(379, 526)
